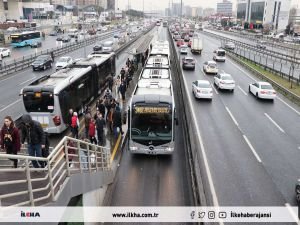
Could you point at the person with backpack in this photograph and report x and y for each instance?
(74, 125)
(32, 131)
(110, 80)
(10, 139)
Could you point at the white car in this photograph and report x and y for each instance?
(230, 45)
(224, 81)
(4, 52)
(104, 29)
(184, 49)
(11, 29)
(262, 90)
(210, 67)
(63, 62)
(202, 89)
(219, 55)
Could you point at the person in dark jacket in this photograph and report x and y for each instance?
(32, 131)
(122, 73)
(101, 107)
(110, 80)
(123, 90)
(100, 124)
(10, 138)
(117, 121)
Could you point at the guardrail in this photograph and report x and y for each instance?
(277, 86)
(281, 56)
(201, 194)
(36, 186)
(25, 61)
(257, 60)
(252, 37)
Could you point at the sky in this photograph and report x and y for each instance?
(150, 5)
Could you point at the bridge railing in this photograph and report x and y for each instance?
(26, 185)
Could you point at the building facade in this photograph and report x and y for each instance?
(176, 9)
(224, 8)
(272, 12)
(187, 11)
(208, 12)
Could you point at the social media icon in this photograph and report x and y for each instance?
(222, 215)
(211, 215)
(201, 214)
(193, 215)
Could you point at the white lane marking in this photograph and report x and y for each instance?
(289, 106)
(232, 117)
(244, 92)
(274, 123)
(292, 212)
(240, 68)
(10, 105)
(27, 81)
(210, 180)
(215, 89)
(252, 149)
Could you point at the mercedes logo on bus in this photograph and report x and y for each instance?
(151, 148)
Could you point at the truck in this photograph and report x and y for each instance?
(196, 46)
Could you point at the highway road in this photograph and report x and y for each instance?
(149, 180)
(48, 43)
(253, 41)
(260, 56)
(252, 146)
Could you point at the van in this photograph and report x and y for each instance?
(109, 46)
(73, 33)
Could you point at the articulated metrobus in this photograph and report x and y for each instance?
(152, 117)
(25, 38)
(49, 98)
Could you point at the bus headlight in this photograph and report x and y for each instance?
(169, 149)
(133, 148)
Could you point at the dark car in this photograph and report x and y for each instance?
(92, 32)
(188, 63)
(66, 39)
(53, 33)
(42, 62)
(187, 38)
(59, 38)
(261, 44)
(36, 44)
(97, 47)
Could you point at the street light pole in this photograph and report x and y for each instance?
(180, 12)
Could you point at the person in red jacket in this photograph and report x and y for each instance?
(92, 131)
(10, 138)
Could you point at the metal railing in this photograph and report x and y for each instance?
(279, 55)
(288, 71)
(283, 90)
(37, 186)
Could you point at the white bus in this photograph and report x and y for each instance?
(151, 117)
(49, 98)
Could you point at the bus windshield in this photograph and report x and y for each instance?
(15, 39)
(38, 101)
(151, 123)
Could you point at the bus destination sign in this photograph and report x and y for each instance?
(141, 109)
